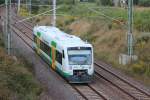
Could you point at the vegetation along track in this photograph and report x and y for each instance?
(84, 91)
(122, 84)
(87, 91)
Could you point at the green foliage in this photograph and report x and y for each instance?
(34, 8)
(139, 68)
(66, 2)
(145, 3)
(106, 2)
(142, 67)
(141, 21)
(98, 2)
(1, 42)
(16, 80)
(19, 82)
(2, 1)
(135, 2)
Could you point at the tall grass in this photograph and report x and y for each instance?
(16, 80)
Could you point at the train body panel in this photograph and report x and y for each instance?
(68, 54)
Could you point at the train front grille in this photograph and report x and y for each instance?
(79, 72)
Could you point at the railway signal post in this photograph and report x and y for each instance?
(130, 28)
(18, 7)
(129, 57)
(54, 13)
(8, 37)
(30, 7)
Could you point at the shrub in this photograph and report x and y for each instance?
(145, 3)
(66, 1)
(2, 1)
(141, 21)
(106, 2)
(34, 8)
(139, 68)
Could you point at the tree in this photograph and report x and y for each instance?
(2, 1)
(145, 3)
(135, 2)
(35, 8)
(106, 2)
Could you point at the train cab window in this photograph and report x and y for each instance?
(59, 57)
(80, 56)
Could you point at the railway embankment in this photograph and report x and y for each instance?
(17, 82)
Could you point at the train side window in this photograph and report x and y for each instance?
(45, 48)
(50, 50)
(35, 38)
(63, 54)
(59, 57)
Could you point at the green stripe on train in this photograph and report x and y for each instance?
(62, 73)
(38, 34)
(53, 43)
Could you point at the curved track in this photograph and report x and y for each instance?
(121, 83)
(91, 91)
(85, 91)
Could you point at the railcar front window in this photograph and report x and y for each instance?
(80, 57)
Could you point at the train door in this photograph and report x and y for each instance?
(53, 53)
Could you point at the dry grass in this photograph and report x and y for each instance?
(80, 27)
(16, 81)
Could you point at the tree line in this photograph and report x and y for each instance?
(145, 3)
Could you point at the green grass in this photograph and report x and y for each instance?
(16, 79)
(141, 17)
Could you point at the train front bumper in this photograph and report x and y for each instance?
(80, 79)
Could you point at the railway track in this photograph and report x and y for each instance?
(122, 84)
(87, 91)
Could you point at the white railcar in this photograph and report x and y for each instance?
(67, 54)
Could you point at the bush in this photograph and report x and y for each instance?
(2, 1)
(145, 3)
(106, 2)
(16, 79)
(141, 21)
(98, 2)
(35, 9)
(66, 2)
(139, 68)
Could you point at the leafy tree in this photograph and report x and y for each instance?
(2, 1)
(35, 8)
(145, 3)
(135, 2)
(106, 2)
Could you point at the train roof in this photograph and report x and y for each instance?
(48, 33)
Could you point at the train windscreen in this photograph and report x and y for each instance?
(80, 57)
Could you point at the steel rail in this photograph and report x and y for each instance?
(123, 80)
